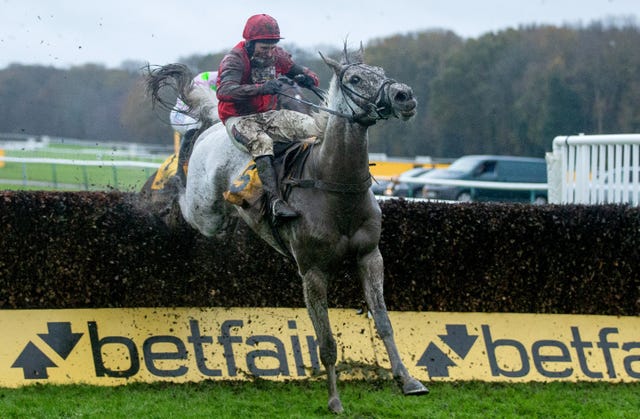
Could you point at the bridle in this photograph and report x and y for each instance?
(374, 109)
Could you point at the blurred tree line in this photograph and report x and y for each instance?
(509, 92)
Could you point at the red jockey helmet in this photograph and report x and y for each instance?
(261, 27)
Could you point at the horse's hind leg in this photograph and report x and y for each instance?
(315, 296)
(372, 275)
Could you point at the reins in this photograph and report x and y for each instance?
(318, 107)
(363, 118)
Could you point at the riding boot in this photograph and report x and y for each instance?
(280, 210)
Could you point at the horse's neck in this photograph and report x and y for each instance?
(343, 153)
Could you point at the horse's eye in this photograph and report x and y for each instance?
(355, 80)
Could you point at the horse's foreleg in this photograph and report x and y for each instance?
(372, 276)
(315, 296)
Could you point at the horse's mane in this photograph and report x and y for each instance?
(321, 118)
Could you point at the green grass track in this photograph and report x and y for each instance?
(377, 399)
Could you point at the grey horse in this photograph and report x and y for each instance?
(340, 217)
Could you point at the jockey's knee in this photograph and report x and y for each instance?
(262, 145)
(296, 126)
(256, 143)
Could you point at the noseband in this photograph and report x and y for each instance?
(375, 107)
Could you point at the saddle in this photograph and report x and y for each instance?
(289, 159)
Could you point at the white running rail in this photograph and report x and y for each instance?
(594, 169)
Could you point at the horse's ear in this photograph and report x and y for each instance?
(333, 64)
(360, 53)
(345, 54)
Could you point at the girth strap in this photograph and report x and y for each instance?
(346, 188)
(293, 160)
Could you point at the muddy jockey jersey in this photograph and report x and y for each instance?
(238, 60)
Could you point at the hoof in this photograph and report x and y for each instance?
(414, 387)
(335, 405)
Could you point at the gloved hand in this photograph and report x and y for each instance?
(271, 87)
(285, 80)
(305, 80)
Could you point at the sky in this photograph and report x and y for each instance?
(65, 33)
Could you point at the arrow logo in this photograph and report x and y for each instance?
(435, 361)
(458, 339)
(60, 338)
(33, 362)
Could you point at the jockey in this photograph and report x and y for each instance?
(185, 121)
(249, 77)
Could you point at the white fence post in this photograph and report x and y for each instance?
(595, 169)
(554, 177)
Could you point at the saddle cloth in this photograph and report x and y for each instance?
(166, 170)
(246, 191)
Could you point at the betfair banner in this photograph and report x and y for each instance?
(118, 346)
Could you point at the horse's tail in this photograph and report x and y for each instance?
(178, 78)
